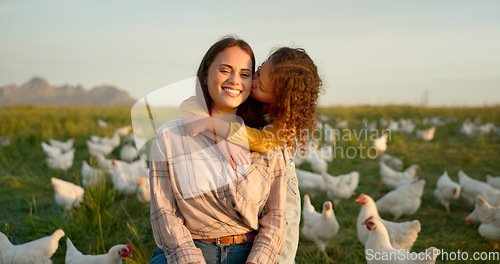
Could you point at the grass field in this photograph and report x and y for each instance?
(28, 210)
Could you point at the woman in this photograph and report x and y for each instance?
(284, 93)
(203, 208)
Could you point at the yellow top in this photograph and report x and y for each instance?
(260, 141)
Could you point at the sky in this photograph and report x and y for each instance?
(433, 52)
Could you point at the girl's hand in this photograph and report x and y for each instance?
(197, 124)
(237, 154)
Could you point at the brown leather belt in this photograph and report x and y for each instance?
(231, 240)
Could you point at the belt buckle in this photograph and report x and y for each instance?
(218, 243)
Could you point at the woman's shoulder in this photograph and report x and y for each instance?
(173, 125)
(172, 130)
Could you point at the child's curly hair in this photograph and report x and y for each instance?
(296, 85)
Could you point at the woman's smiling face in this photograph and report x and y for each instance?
(262, 87)
(229, 80)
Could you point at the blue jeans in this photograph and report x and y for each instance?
(212, 253)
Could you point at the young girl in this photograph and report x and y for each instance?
(283, 106)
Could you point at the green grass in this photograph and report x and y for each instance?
(105, 218)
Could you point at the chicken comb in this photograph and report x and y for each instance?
(127, 253)
(129, 248)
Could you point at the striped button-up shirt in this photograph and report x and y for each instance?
(196, 193)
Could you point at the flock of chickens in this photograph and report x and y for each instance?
(383, 236)
(130, 175)
(42, 249)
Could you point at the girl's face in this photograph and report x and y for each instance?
(262, 87)
(229, 80)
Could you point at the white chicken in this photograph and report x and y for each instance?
(99, 148)
(331, 134)
(404, 200)
(402, 235)
(477, 120)
(468, 128)
(310, 182)
(446, 190)
(302, 156)
(378, 244)
(114, 255)
(34, 252)
(125, 176)
(392, 177)
(473, 217)
(327, 152)
(4, 141)
(407, 181)
(485, 129)
(471, 188)
(391, 161)
(436, 121)
(141, 163)
(118, 165)
(490, 221)
(102, 162)
(67, 194)
(426, 134)
(318, 165)
(65, 146)
(122, 131)
(493, 181)
(91, 176)
(51, 151)
(370, 126)
(383, 122)
(319, 157)
(113, 141)
(128, 153)
(393, 126)
(408, 127)
(341, 123)
(97, 139)
(143, 192)
(62, 162)
(101, 123)
(340, 187)
(380, 143)
(319, 227)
